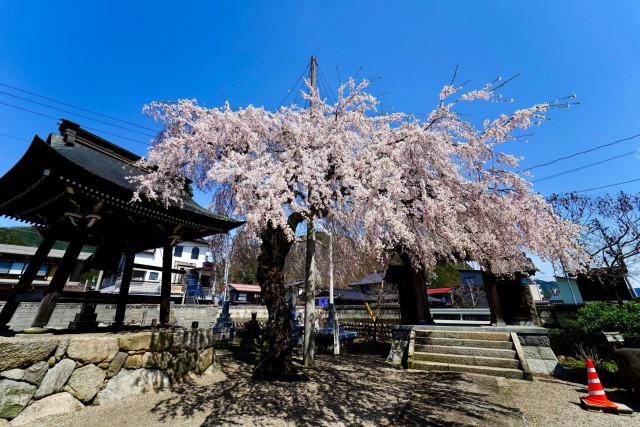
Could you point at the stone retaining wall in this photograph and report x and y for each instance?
(45, 375)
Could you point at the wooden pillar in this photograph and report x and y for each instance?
(419, 291)
(26, 279)
(48, 303)
(489, 280)
(165, 289)
(422, 301)
(125, 282)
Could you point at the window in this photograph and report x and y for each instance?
(42, 271)
(154, 276)
(138, 275)
(195, 253)
(16, 268)
(4, 267)
(177, 252)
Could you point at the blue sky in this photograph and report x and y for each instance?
(113, 57)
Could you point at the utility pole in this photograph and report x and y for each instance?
(308, 345)
(332, 308)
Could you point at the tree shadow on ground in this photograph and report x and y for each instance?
(344, 390)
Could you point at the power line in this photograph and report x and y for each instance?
(77, 114)
(14, 137)
(84, 127)
(583, 167)
(599, 188)
(294, 86)
(29, 111)
(76, 107)
(582, 152)
(326, 84)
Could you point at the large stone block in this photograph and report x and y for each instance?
(182, 364)
(544, 353)
(534, 340)
(56, 378)
(549, 367)
(130, 382)
(150, 341)
(93, 350)
(628, 360)
(63, 344)
(85, 382)
(116, 364)
(36, 372)
(133, 361)
(192, 339)
(20, 352)
(205, 359)
(13, 374)
(61, 403)
(154, 360)
(14, 396)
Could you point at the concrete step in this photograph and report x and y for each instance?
(458, 359)
(467, 351)
(486, 370)
(456, 342)
(488, 336)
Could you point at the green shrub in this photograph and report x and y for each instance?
(599, 317)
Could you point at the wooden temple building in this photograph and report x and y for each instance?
(74, 187)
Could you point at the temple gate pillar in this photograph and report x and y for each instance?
(26, 279)
(125, 282)
(59, 280)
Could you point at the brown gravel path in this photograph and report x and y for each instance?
(351, 390)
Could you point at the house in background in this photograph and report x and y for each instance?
(188, 258)
(240, 293)
(569, 292)
(592, 290)
(14, 260)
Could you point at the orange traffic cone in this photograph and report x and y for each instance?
(596, 396)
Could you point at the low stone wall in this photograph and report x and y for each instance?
(389, 314)
(45, 375)
(140, 314)
(554, 316)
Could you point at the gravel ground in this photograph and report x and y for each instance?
(351, 390)
(549, 401)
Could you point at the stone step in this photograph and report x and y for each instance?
(486, 370)
(456, 342)
(489, 336)
(458, 359)
(467, 351)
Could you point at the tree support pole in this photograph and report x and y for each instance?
(165, 289)
(308, 351)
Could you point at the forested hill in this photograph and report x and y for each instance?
(24, 236)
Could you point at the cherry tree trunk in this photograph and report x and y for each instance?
(275, 361)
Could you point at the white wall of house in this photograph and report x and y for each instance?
(186, 256)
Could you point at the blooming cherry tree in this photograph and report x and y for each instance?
(435, 187)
